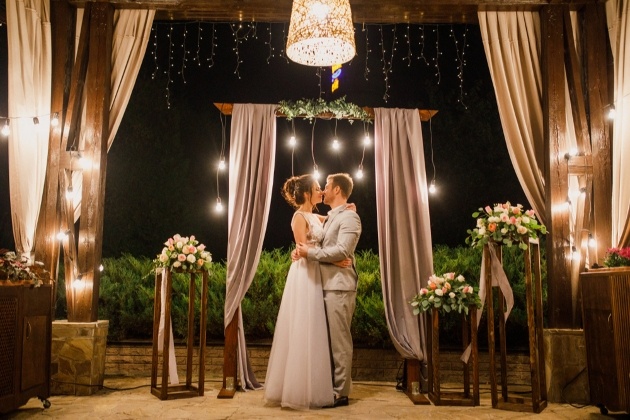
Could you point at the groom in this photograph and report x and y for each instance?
(342, 229)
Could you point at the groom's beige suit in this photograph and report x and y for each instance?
(342, 229)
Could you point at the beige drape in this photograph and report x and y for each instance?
(29, 77)
(619, 32)
(512, 44)
(252, 162)
(132, 30)
(404, 229)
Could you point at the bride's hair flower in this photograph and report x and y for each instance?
(183, 253)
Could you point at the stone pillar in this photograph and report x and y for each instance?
(78, 357)
(565, 364)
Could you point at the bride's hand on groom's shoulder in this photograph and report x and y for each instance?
(351, 207)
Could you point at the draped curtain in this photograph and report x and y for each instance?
(404, 229)
(29, 90)
(252, 162)
(617, 16)
(512, 44)
(132, 29)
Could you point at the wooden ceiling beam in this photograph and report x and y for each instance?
(363, 11)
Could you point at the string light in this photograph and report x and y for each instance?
(219, 206)
(575, 255)
(432, 187)
(5, 128)
(222, 164)
(292, 143)
(359, 173)
(367, 53)
(63, 235)
(168, 68)
(335, 142)
(54, 121)
(612, 113)
(78, 283)
(101, 268)
(461, 62)
(184, 55)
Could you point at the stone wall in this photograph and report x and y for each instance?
(369, 364)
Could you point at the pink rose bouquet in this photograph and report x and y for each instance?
(505, 224)
(617, 257)
(446, 293)
(183, 253)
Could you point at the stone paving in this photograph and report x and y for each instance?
(130, 398)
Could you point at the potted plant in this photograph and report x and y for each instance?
(617, 257)
(15, 270)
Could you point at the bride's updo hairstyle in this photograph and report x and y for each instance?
(295, 187)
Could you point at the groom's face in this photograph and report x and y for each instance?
(328, 192)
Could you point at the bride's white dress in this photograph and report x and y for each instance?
(299, 372)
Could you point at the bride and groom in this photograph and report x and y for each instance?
(311, 356)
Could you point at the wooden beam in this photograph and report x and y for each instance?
(94, 138)
(556, 169)
(363, 11)
(598, 61)
(425, 114)
(230, 354)
(46, 243)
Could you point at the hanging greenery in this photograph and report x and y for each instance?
(312, 108)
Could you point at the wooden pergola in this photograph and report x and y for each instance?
(585, 70)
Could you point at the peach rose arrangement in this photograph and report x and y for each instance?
(505, 224)
(183, 253)
(446, 293)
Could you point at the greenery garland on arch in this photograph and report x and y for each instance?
(312, 108)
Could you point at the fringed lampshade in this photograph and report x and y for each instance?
(321, 33)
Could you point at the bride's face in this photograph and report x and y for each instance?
(316, 194)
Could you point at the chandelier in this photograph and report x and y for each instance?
(321, 33)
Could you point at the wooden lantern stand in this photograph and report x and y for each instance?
(436, 395)
(165, 391)
(538, 401)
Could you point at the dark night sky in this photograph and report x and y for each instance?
(471, 161)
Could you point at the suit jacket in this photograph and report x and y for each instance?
(342, 230)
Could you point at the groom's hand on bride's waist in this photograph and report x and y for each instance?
(301, 250)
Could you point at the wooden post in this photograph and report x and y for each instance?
(230, 353)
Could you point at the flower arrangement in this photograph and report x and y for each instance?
(446, 293)
(505, 224)
(311, 108)
(14, 268)
(617, 257)
(183, 253)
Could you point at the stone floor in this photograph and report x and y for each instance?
(130, 398)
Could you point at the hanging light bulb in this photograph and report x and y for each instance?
(219, 206)
(591, 240)
(63, 235)
(222, 164)
(316, 172)
(432, 188)
(292, 141)
(101, 268)
(335, 144)
(366, 140)
(84, 162)
(359, 173)
(575, 255)
(69, 193)
(54, 121)
(78, 283)
(5, 128)
(612, 113)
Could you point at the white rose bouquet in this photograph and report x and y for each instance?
(182, 253)
(446, 293)
(505, 224)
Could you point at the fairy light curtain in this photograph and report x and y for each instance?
(404, 228)
(132, 30)
(29, 77)
(252, 162)
(619, 32)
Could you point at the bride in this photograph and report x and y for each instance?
(299, 373)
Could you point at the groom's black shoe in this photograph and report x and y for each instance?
(340, 402)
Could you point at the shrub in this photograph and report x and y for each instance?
(127, 294)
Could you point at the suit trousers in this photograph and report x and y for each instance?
(340, 306)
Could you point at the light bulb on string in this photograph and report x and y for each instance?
(591, 240)
(101, 268)
(316, 174)
(612, 113)
(62, 235)
(78, 283)
(54, 121)
(292, 141)
(5, 128)
(575, 255)
(219, 206)
(335, 144)
(359, 173)
(222, 164)
(432, 188)
(69, 193)
(366, 140)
